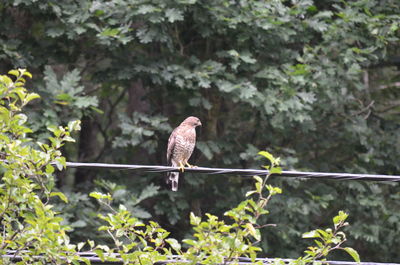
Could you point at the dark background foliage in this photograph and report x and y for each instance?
(314, 82)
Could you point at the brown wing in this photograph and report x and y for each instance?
(171, 145)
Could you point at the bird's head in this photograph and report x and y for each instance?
(192, 121)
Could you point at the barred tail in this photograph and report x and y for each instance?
(173, 178)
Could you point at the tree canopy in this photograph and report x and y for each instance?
(314, 82)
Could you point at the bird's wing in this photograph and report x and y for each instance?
(171, 145)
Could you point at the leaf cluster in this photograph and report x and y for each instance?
(29, 225)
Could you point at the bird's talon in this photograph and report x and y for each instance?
(181, 167)
(190, 166)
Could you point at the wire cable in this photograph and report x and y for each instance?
(241, 172)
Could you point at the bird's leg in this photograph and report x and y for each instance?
(181, 167)
(189, 165)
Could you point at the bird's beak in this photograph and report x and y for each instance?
(199, 123)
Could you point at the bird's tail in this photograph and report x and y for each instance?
(172, 179)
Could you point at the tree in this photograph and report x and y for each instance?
(314, 81)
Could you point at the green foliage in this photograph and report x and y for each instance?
(68, 91)
(134, 241)
(132, 202)
(314, 81)
(30, 227)
(214, 241)
(65, 99)
(33, 231)
(328, 240)
(139, 131)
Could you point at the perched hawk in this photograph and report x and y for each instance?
(180, 147)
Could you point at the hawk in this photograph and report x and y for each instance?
(180, 147)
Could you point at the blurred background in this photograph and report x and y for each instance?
(316, 83)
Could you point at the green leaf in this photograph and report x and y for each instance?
(85, 102)
(267, 155)
(64, 97)
(91, 243)
(194, 220)
(174, 244)
(54, 31)
(145, 9)
(97, 110)
(49, 169)
(98, 195)
(340, 218)
(247, 57)
(74, 125)
(273, 190)
(258, 187)
(60, 163)
(80, 245)
(250, 192)
(60, 195)
(109, 32)
(233, 53)
(353, 253)
(275, 170)
(258, 179)
(173, 15)
(253, 231)
(26, 73)
(14, 73)
(190, 242)
(31, 96)
(311, 234)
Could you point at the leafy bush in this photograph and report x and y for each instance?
(29, 226)
(215, 240)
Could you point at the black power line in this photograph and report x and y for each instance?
(241, 172)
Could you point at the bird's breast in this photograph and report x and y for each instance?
(184, 145)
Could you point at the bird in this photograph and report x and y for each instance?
(181, 144)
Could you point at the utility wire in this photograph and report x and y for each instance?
(241, 172)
